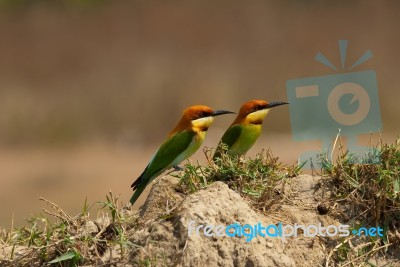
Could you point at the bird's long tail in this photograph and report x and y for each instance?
(139, 190)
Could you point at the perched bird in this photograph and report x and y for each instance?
(245, 129)
(180, 144)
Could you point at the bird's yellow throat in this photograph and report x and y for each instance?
(202, 124)
(257, 117)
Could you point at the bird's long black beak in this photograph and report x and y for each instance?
(221, 112)
(275, 104)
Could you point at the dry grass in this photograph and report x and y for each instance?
(255, 179)
(366, 195)
(58, 239)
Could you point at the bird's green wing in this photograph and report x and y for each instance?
(165, 155)
(229, 138)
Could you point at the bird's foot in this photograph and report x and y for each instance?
(177, 168)
(174, 169)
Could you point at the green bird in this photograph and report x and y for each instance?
(181, 143)
(245, 129)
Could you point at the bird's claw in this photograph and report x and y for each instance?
(177, 168)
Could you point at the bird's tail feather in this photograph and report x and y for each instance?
(139, 180)
(136, 195)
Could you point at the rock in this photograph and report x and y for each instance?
(91, 228)
(218, 205)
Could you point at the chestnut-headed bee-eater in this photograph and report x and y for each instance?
(180, 144)
(246, 128)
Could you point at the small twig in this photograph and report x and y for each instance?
(335, 249)
(12, 226)
(366, 254)
(53, 214)
(334, 144)
(63, 215)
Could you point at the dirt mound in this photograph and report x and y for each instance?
(166, 240)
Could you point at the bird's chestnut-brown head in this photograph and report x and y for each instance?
(198, 118)
(254, 111)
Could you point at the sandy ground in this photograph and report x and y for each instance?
(68, 176)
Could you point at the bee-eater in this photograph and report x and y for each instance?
(246, 128)
(180, 144)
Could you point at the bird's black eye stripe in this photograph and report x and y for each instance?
(260, 107)
(204, 114)
(256, 108)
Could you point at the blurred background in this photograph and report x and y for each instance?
(89, 89)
